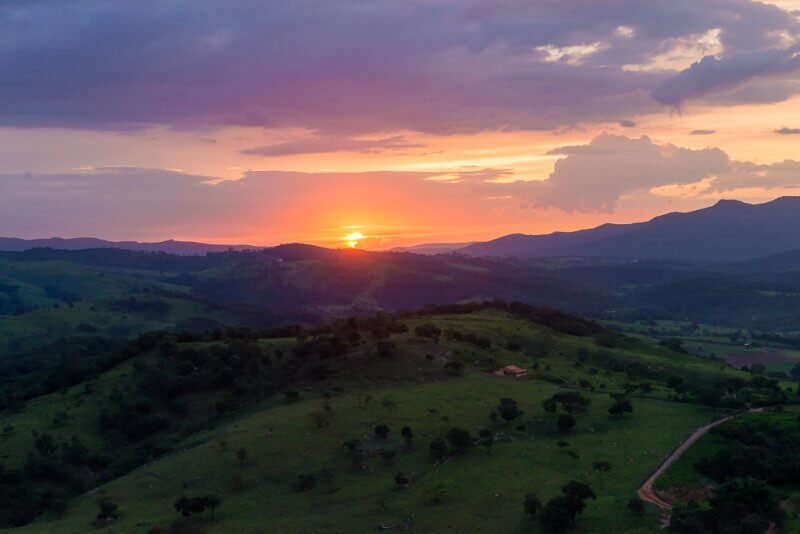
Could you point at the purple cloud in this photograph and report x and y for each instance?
(593, 177)
(788, 131)
(711, 74)
(352, 67)
(324, 145)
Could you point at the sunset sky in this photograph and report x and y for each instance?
(399, 121)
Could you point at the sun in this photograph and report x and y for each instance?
(353, 238)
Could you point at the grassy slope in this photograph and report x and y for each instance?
(49, 317)
(490, 485)
(100, 316)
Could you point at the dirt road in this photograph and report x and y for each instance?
(646, 491)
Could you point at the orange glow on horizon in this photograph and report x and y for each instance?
(352, 239)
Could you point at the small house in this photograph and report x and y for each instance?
(511, 370)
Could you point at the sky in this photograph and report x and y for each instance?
(399, 121)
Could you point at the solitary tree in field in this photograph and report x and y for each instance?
(486, 438)
(381, 431)
(508, 410)
(621, 407)
(566, 422)
(45, 444)
(438, 448)
(241, 455)
(109, 511)
(401, 480)
(532, 504)
(353, 447)
(636, 506)
(601, 467)
(328, 477)
(212, 501)
(459, 439)
(428, 330)
(408, 435)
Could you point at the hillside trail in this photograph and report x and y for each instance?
(646, 491)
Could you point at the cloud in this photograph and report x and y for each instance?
(276, 206)
(627, 123)
(350, 68)
(788, 131)
(593, 177)
(702, 132)
(744, 175)
(323, 145)
(712, 74)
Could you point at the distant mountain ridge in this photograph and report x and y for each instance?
(728, 231)
(431, 248)
(14, 244)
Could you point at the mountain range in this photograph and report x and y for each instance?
(14, 244)
(728, 231)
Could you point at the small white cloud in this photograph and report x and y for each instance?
(571, 55)
(679, 54)
(625, 31)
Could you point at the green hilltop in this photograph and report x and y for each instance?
(259, 419)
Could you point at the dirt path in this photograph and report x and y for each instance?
(646, 491)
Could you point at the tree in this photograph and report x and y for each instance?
(305, 482)
(675, 382)
(45, 444)
(710, 396)
(212, 502)
(109, 511)
(196, 505)
(241, 455)
(381, 431)
(636, 506)
(571, 401)
(455, 367)
(621, 407)
(429, 331)
(459, 439)
(508, 409)
(532, 504)
(329, 477)
(401, 480)
(407, 435)
(486, 438)
(386, 348)
(438, 448)
(578, 490)
(353, 447)
(559, 513)
(795, 372)
(566, 422)
(601, 467)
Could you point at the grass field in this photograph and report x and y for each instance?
(492, 484)
(479, 491)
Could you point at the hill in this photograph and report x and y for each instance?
(13, 244)
(726, 232)
(173, 415)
